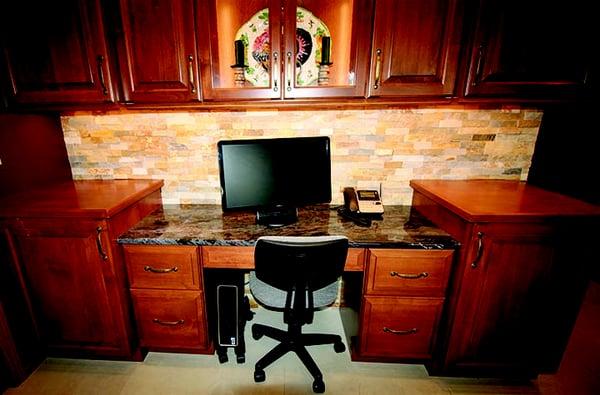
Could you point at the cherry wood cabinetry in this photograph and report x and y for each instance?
(520, 274)
(157, 51)
(55, 52)
(283, 48)
(168, 297)
(416, 47)
(63, 240)
(534, 49)
(404, 293)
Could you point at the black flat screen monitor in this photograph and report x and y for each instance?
(268, 173)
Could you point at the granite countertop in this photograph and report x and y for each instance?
(208, 225)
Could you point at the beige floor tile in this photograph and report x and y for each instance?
(170, 373)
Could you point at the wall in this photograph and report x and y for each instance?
(32, 152)
(368, 146)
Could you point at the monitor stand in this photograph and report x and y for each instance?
(276, 216)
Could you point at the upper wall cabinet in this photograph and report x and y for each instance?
(531, 49)
(157, 51)
(416, 47)
(55, 52)
(274, 49)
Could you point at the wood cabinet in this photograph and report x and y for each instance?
(63, 240)
(56, 53)
(283, 48)
(168, 297)
(404, 294)
(520, 275)
(157, 51)
(536, 49)
(416, 47)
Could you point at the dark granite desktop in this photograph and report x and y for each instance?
(208, 225)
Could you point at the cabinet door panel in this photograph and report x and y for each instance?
(416, 47)
(68, 279)
(258, 23)
(532, 49)
(514, 290)
(56, 52)
(347, 23)
(157, 52)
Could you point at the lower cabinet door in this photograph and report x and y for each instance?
(170, 320)
(395, 327)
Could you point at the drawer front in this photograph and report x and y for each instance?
(399, 327)
(170, 319)
(163, 267)
(408, 272)
(225, 257)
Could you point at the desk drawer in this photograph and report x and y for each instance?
(170, 320)
(408, 272)
(394, 327)
(225, 257)
(163, 267)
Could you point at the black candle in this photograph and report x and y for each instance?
(239, 53)
(325, 50)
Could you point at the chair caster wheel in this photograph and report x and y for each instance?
(259, 376)
(223, 358)
(318, 386)
(256, 335)
(240, 358)
(339, 347)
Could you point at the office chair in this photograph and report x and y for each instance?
(296, 275)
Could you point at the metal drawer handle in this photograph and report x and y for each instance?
(395, 332)
(103, 254)
(168, 323)
(479, 250)
(154, 270)
(411, 276)
(377, 68)
(191, 73)
(100, 62)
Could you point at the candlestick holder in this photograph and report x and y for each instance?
(239, 79)
(323, 78)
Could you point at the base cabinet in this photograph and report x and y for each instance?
(403, 299)
(168, 297)
(69, 268)
(519, 278)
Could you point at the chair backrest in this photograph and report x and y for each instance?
(314, 261)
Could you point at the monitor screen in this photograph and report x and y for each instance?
(271, 172)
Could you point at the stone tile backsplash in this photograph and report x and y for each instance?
(369, 147)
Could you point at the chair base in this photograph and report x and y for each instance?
(294, 340)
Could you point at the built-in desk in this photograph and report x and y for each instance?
(397, 274)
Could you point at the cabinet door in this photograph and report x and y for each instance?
(55, 52)
(517, 300)
(68, 268)
(157, 51)
(415, 47)
(533, 49)
(256, 25)
(345, 28)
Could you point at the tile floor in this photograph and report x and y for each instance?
(164, 373)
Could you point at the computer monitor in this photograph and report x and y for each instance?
(274, 176)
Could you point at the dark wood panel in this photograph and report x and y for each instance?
(518, 300)
(399, 327)
(157, 51)
(534, 49)
(171, 319)
(163, 267)
(32, 151)
(407, 272)
(415, 47)
(56, 52)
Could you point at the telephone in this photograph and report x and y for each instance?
(363, 201)
(361, 206)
